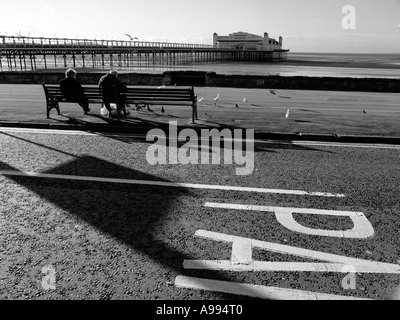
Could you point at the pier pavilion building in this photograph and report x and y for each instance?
(247, 41)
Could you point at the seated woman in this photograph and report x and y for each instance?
(73, 91)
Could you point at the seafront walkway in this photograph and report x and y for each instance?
(331, 115)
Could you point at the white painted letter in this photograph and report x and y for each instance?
(362, 227)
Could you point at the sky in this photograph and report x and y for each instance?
(305, 25)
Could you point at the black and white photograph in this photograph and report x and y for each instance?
(200, 158)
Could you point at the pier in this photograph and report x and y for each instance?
(20, 53)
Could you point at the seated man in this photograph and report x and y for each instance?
(73, 91)
(111, 88)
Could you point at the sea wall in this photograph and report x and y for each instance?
(212, 79)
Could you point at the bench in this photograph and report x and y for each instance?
(176, 96)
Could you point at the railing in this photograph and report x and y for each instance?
(42, 42)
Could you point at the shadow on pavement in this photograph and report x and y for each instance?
(139, 216)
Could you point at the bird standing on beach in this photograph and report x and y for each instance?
(162, 109)
(287, 115)
(161, 87)
(364, 111)
(244, 100)
(216, 99)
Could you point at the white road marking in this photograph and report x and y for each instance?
(257, 291)
(335, 144)
(361, 265)
(47, 131)
(23, 100)
(166, 184)
(273, 266)
(241, 253)
(258, 141)
(362, 227)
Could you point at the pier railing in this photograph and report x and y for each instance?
(59, 43)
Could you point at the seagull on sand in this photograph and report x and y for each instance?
(161, 87)
(244, 100)
(272, 92)
(287, 115)
(236, 105)
(216, 99)
(364, 111)
(162, 109)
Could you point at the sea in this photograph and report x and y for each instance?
(305, 64)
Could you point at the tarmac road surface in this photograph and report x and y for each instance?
(85, 216)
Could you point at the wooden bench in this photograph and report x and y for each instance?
(176, 96)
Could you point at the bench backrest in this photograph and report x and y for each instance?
(132, 94)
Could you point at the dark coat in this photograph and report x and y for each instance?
(72, 89)
(111, 86)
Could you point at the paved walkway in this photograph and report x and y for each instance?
(317, 115)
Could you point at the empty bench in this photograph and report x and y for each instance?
(176, 96)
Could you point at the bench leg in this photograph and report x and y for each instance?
(194, 113)
(52, 104)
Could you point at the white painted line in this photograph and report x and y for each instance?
(362, 227)
(256, 291)
(143, 136)
(46, 131)
(304, 253)
(272, 266)
(335, 144)
(23, 100)
(165, 184)
(20, 94)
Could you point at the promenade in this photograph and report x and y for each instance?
(87, 215)
(320, 115)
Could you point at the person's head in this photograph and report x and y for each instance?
(70, 73)
(114, 72)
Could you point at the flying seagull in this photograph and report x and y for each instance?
(272, 92)
(207, 115)
(236, 105)
(201, 99)
(131, 38)
(364, 111)
(287, 115)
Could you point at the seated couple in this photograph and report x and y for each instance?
(109, 84)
